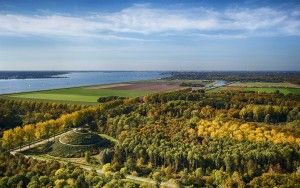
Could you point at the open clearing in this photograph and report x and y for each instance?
(285, 88)
(78, 94)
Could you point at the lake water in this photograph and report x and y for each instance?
(74, 79)
(219, 83)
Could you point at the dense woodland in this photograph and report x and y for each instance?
(243, 76)
(22, 112)
(233, 139)
(18, 171)
(109, 98)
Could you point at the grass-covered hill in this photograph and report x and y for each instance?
(77, 142)
(81, 137)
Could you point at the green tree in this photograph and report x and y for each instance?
(81, 183)
(87, 156)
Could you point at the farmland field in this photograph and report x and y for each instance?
(264, 84)
(78, 94)
(90, 94)
(261, 89)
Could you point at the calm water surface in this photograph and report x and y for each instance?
(73, 79)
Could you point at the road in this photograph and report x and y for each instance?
(136, 179)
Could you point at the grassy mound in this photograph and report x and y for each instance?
(81, 137)
(62, 150)
(40, 149)
(76, 143)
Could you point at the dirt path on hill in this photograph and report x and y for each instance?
(24, 148)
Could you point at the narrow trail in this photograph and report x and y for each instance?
(13, 152)
(140, 180)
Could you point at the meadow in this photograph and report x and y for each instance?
(81, 94)
(264, 84)
(284, 91)
(261, 87)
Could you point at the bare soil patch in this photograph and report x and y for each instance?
(107, 86)
(150, 86)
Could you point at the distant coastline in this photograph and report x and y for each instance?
(8, 75)
(15, 75)
(25, 81)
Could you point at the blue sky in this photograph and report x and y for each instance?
(149, 35)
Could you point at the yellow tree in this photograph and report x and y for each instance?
(46, 127)
(207, 111)
(8, 138)
(19, 136)
(54, 126)
(39, 131)
(29, 133)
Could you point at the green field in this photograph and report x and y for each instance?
(285, 91)
(264, 84)
(89, 95)
(81, 94)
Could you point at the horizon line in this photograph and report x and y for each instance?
(48, 70)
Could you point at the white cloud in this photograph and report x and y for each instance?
(140, 21)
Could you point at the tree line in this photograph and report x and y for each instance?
(244, 76)
(14, 112)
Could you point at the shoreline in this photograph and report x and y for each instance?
(56, 75)
(26, 83)
(93, 85)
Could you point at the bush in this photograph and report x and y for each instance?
(109, 98)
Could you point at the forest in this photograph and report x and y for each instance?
(196, 138)
(23, 112)
(18, 171)
(31, 74)
(239, 76)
